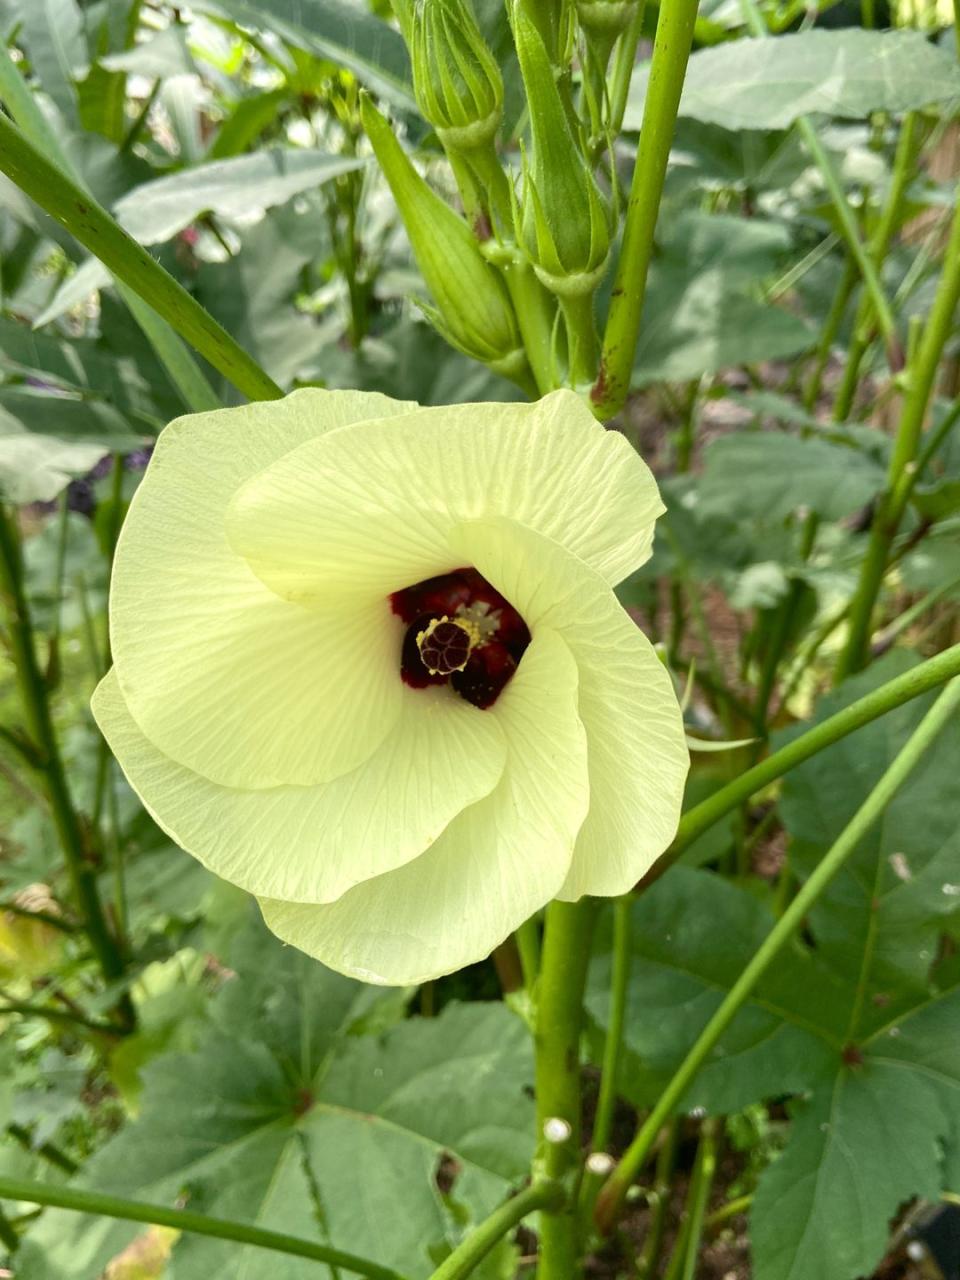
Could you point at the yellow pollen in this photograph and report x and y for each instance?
(446, 644)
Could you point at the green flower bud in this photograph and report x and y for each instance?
(473, 310)
(564, 225)
(457, 82)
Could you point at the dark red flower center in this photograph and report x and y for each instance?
(460, 631)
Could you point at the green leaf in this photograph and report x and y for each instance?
(856, 1153)
(692, 934)
(879, 921)
(165, 54)
(79, 421)
(253, 294)
(54, 38)
(37, 468)
(701, 312)
(768, 475)
(237, 188)
(346, 34)
(768, 84)
(83, 367)
(285, 1115)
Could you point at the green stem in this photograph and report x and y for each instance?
(927, 675)
(581, 329)
(470, 1252)
(684, 1261)
(851, 234)
(910, 616)
(46, 1150)
(934, 439)
(869, 813)
(39, 917)
(33, 694)
(185, 1220)
(619, 978)
(729, 1210)
(903, 168)
(129, 261)
(65, 1016)
(920, 376)
(779, 632)
(700, 1197)
(528, 945)
(671, 51)
(8, 1234)
(535, 316)
(663, 1179)
(623, 65)
(563, 975)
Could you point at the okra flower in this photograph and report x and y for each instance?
(369, 666)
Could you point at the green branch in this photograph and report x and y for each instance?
(920, 679)
(129, 261)
(671, 51)
(26, 1010)
(919, 378)
(869, 813)
(470, 1252)
(184, 1220)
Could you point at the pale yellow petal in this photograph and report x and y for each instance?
(637, 750)
(311, 844)
(372, 509)
(495, 865)
(224, 676)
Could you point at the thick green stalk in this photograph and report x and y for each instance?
(563, 975)
(183, 371)
(671, 51)
(471, 1252)
(919, 378)
(619, 978)
(869, 813)
(185, 1220)
(927, 675)
(39, 723)
(129, 261)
